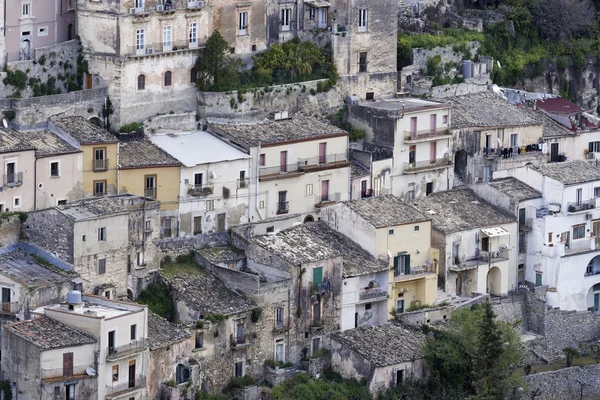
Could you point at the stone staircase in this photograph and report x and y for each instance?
(457, 182)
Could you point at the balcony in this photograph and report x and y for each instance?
(372, 294)
(426, 135)
(280, 327)
(427, 165)
(417, 271)
(150, 192)
(365, 194)
(9, 308)
(130, 386)
(279, 171)
(331, 198)
(148, 49)
(243, 183)
(323, 162)
(526, 224)
(13, 180)
(59, 374)
(99, 165)
(283, 207)
(316, 325)
(579, 206)
(200, 190)
(113, 353)
(484, 258)
(239, 342)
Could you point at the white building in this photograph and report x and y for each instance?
(297, 165)
(417, 132)
(476, 240)
(562, 246)
(120, 331)
(214, 192)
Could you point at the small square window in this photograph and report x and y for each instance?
(270, 229)
(445, 119)
(102, 268)
(17, 202)
(253, 47)
(390, 232)
(261, 204)
(370, 96)
(416, 228)
(368, 306)
(54, 172)
(61, 202)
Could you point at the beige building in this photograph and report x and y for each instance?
(298, 165)
(18, 172)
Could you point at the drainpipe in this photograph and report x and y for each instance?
(118, 170)
(257, 187)
(35, 184)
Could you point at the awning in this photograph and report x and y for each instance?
(493, 232)
(317, 3)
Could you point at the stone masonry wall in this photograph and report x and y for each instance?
(567, 383)
(447, 54)
(51, 231)
(174, 247)
(10, 230)
(569, 328)
(511, 313)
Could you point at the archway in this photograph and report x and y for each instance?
(494, 281)
(96, 121)
(593, 299)
(593, 267)
(460, 165)
(70, 32)
(182, 374)
(309, 218)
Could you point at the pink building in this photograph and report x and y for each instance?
(30, 24)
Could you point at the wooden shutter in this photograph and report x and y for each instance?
(407, 263)
(67, 364)
(317, 276)
(396, 265)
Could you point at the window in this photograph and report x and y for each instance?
(514, 140)
(285, 19)
(317, 276)
(197, 225)
(150, 186)
(390, 232)
(279, 350)
(279, 317)
(538, 279)
(270, 229)
(101, 266)
(141, 82)
(43, 31)
(549, 237)
(579, 196)
(282, 204)
(17, 202)
(316, 345)
(140, 40)
(368, 306)
(243, 25)
(193, 75)
(167, 227)
(199, 340)
(522, 247)
(133, 331)
(140, 258)
(243, 182)
(26, 10)
(253, 48)
(168, 78)
(316, 313)
(56, 392)
(261, 204)
(323, 153)
(456, 252)
(309, 189)
(167, 38)
(261, 160)
(416, 228)
(220, 222)
(83, 238)
(597, 192)
(362, 20)
(312, 13)
(283, 161)
(399, 377)
(400, 306)
(198, 179)
(239, 369)
(70, 392)
(111, 341)
(100, 161)
(115, 373)
(61, 202)
(579, 232)
(485, 244)
(402, 264)
(210, 205)
(362, 62)
(102, 234)
(193, 34)
(445, 119)
(594, 147)
(139, 3)
(67, 364)
(429, 188)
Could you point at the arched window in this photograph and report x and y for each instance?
(193, 75)
(168, 78)
(141, 82)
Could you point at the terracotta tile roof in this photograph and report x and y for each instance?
(47, 143)
(571, 172)
(83, 130)
(11, 141)
(386, 211)
(515, 189)
(162, 333)
(143, 153)
(47, 333)
(558, 105)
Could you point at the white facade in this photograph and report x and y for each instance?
(365, 300)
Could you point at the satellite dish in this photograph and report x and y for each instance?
(90, 371)
(4, 123)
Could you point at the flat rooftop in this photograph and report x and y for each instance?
(47, 333)
(30, 270)
(197, 148)
(296, 128)
(515, 189)
(98, 306)
(461, 210)
(571, 172)
(386, 211)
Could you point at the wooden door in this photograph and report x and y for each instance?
(553, 152)
(322, 153)
(67, 364)
(413, 127)
(283, 161)
(325, 190)
(6, 299)
(88, 81)
(432, 123)
(432, 152)
(132, 374)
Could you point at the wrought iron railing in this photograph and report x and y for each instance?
(577, 206)
(283, 207)
(427, 164)
(425, 134)
(328, 198)
(13, 179)
(313, 162)
(243, 183)
(138, 383)
(201, 190)
(9, 308)
(372, 293)
(126, 349)
(150, 192)
(100, 165)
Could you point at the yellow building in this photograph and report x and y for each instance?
(100, 153)
(392, 230)
(147, 170)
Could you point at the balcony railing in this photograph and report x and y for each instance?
(100, 165)
(278, 170)
(130, 386)
(374, 293)
(126, 349)
(238, 341)
(578, 206)
(490, 256)
(163, 47)
(316, 162)
(427, 134)
(9, 308)
(415, 271)
(365, 194)
(321, 200)
(13, 180)
(201, 190)
(53, 373)
(283, 207)
(150, 192)
(414, 167)
(243, 183)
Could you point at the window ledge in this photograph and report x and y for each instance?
(55, 177)
(199, 349)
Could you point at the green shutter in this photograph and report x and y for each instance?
(396, 265)
(538, 279)
(317, 276)
(407, 264)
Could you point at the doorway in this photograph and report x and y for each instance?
(6, 299)
(459, 283)
(131, 374)
(553, 152)
(494, 280)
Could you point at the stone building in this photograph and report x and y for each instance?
(45, 359)
(213, 192)
(30, 280)
(119, 331)
(477, 242)
(58, 169)
(100, 153)
(413, 135)
(18, 172)
(242, 25)
(297, 165)
(564, 232)
(108, 241)
(400, 236)
(490, 134)
(146, 51)
(147, 170)
(221, 323)
(386, 355)
(33, 24)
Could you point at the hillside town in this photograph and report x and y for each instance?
(306, 199)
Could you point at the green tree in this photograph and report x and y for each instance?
(570, 353)
(217, 69)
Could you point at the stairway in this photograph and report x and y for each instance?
(457, 182)
(442, 296)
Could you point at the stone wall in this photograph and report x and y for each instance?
(567, 383)
(184, 122)
(174, 247)
(426, 316)
(511, 313)
(51, 231)
(447, 54)
(275, 376)
(10, 230)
